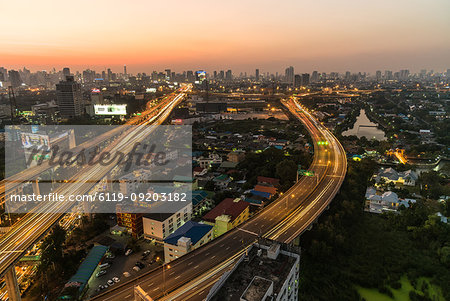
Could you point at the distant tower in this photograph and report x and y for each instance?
(257, 74)
(69, 97)
(66, 72)
(289, 75)
(125, 69)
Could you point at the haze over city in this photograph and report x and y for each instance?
(239, 35)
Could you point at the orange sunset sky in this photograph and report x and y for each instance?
(325, 35)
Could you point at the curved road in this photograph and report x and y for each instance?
(283, 220)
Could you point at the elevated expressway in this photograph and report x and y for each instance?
(33, 226)
(191, 275)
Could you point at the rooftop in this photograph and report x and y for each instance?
(229, 206)
(262, 267)
(194, 231)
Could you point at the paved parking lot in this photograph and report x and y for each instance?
(123, 264)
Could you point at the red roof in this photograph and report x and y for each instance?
(227, 207)
(268, 180)
(198, 169)
(270, 189)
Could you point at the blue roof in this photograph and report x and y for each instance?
(198, 196)
(194, 231)
(88, 266)
(253, 201)
(261, 193)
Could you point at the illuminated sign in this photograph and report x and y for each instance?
(95, 90)
(110, 109)
(150, 90)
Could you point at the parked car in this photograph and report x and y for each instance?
(136, 268)
(115, 279)
(101, 273)
(128, 252)
(126, 274)
(110, 282)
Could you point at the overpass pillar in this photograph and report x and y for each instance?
(35, 185)
(11, 285)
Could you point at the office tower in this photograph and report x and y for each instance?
(348, 76)
(4, 72)
(315, 77)
(125, 70)
(109, 75)
(289, 75)
(221, 74)
(404, 74)
(257, 74)
(305, 79)
(297, 80)
(66, 72)
(228, 75)
(388, 75)
(190, 76)
(423, 73)
(69, 97)
(14, 78)
(378, 75)
(103, 75)
(214, 74)
(168, 74)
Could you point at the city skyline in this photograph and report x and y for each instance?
(238, 36)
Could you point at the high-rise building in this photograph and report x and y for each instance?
(448, 73)
(297, 80)
(305, 79)
(66, 72)
(69, 97)
(289, 75)
(388, 75)
(257, 74)
(229, 75)
(378, 75)
(168, 74)
(315, 77)
(14, 78)
(4, 74)
(125, 70)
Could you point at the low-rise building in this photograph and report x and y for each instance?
(265, 273)
(390, 175)
(158, 226)
(185, 239)
(377, 202)
(227, 214)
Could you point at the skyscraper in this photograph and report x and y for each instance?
(125, 70)
(315, 77)
(289, 75)
(228, 75)
(305, 79)
(14, 78)
(168, 74)
(66, 72)
(378, 75)
(297, 80)
(69, 97)
(257, 74)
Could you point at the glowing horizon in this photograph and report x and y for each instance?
(325, 35)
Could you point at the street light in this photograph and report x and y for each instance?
(164, 277)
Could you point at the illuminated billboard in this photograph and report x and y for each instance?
(110, 109)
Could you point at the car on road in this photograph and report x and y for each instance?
(140, 265)
(128, 252)
(110, 256)
(146, 253)
(110, 282)
(126, 274)
(136, 268)
(101, 273)
(116, 279)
